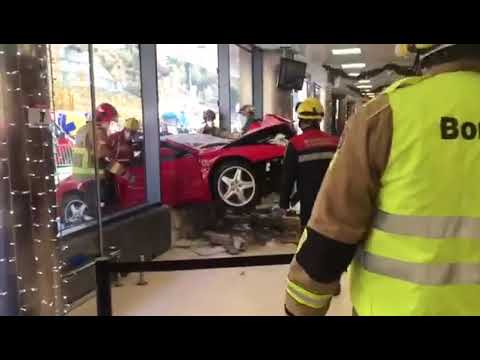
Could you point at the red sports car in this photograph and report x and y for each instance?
(196, 168)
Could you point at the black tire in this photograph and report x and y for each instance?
(68, 199)
(248, 175)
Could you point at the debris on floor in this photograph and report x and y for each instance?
(184, 243)
(209, 230)
(240, 243)
(208, 251)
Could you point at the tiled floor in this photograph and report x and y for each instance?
(237, 291)
(271, 248)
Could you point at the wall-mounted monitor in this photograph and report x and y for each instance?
(291, 74)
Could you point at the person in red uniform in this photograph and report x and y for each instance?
(91, 150)
(122, 146)
(306, 161)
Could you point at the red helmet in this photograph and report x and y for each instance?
(106, 113)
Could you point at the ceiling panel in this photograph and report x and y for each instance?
(373, 55)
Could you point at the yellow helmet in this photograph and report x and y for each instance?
(424, 50)
(310, 109)
(132, 124)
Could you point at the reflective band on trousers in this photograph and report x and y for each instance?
(305, 297)
(436, 227)
(316, 156)
(424, 274)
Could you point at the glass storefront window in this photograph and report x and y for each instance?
(196, 169)
(241, 86)
(117, 82)
(187, 86)
(196, 166)
(76, 184)
(298, 97)
(118, 150)
(71, 103)
(121, 166)
(91, 158)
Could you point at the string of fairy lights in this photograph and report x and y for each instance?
(5, 177)
(46, 251)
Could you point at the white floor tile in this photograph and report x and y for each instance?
(255, 291)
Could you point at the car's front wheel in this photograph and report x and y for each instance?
(235, 185)
(74, 210)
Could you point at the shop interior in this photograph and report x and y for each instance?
(186, 179)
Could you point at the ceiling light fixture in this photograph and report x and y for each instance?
(364, 81)
(349, 51)
(354, 66)
(364, 86)
(354, 74)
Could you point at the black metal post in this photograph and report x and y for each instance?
(104, 268)
(104, 287)
(101, 250)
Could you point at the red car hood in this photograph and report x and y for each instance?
(270, 125)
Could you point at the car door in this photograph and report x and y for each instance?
(181, 178)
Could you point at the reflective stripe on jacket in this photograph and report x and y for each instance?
(306, 161)
(83, 152)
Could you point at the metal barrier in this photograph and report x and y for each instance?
(104, 267)
(63, 155)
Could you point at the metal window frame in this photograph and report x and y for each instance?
(257, 80)
(151, 125)
(224, 86)
(224, 91)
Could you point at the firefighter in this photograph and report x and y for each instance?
(249, 121)
(307, 158)
(89, 149)
(122, 145)
(391, 204)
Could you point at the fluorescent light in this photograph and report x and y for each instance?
(354, 66)
(349, 51)
(354, 74)
(364, 86)
(364, 81)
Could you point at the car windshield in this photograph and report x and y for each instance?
(197, 140)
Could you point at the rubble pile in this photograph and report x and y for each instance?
(209, 230)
